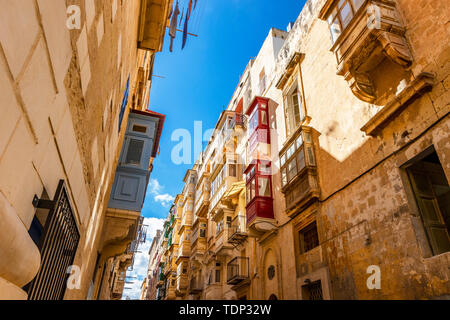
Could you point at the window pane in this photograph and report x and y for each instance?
(263, 117)
(292, 169)
(139, 128)
(264, 167)
(296, 107)
(308, 137)
(311, 159)
(252, 189)
(291, 151)
(301, 160)
(232, 170)
(346, 15)
(134, 151)
(287, 115)
(263, 187)
(335, 29)
(299, 141)
(217, 275)
(358, 3)
(283, 177)
(283, 159)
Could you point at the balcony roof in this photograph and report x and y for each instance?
(161, 121)
(234, 190)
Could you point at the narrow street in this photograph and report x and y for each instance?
(224, 150)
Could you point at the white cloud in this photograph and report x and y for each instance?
(165, 199)
(155, 190)
(140, 267)
(154, 187)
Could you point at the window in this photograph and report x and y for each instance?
(293, 110)
(264, 187)
(259, 181)
(252, 189)
(292, 157)
(262, 82)
(232, 168)
(140, 129)
(219, 227)
(217, 275)
(253, 122)
(312, 291)
(342, 15)
(134, 152)
(309, 238)
(229, 222)
(264, 117)
(432, 194)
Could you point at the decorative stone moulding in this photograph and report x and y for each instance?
(375, 32)
(296, 58)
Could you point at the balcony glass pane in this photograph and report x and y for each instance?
(265, 167)
(301, 160)
(291, 169)
(264, 117)
(312, 160)
(252, 189)
(297, 108)
(232, 170)
(346, 15)
(357, 4)
(299, 141)
(264, 187)
(283, 177)
(290, 151)
(335, 29)
(134, 152)
(283, 160)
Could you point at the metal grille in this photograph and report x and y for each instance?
(58, 248)
(315, 290)
(310, 237)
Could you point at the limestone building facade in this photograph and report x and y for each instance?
(331, 164)
(72, 75)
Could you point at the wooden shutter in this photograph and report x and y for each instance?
(433, 221)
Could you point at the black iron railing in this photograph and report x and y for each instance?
(58, 248)
(238, 270)
(238, 230)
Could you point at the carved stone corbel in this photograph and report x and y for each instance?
(395, 48)
(361, 86)
(362, 46)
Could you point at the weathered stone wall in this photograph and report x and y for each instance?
(60, 120)
(364, 194)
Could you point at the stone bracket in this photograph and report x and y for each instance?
(361, 47)
(415, 89)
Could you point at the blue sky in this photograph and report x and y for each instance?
(198, 82)
(201, 79)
